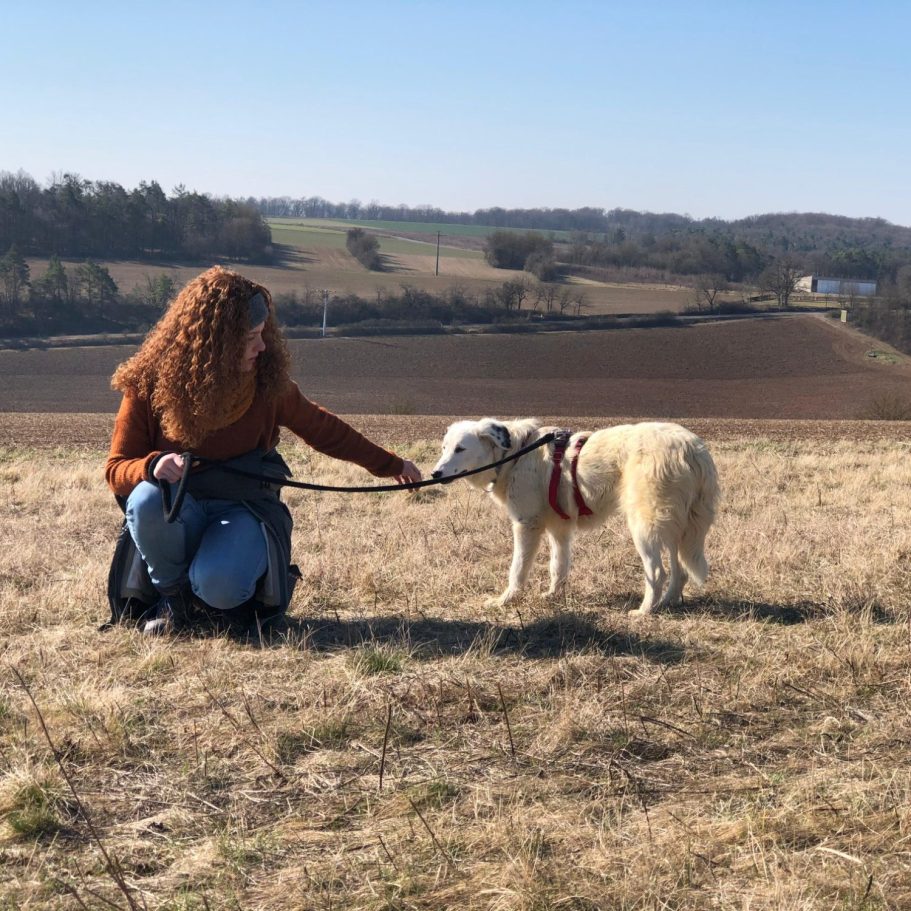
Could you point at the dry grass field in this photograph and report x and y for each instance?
(400, 745)
(318, 259)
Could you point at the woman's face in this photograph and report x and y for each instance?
(253, 348)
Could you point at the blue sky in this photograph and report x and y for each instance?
(709, 108)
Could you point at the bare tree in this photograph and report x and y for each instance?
(780, 279)
(851, 293)
(707, 289)
(512, 294)
(311, 297)
(903, 285)
(546, 295)
(564, 300)
(580, 301)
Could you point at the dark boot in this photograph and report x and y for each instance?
(172, 613)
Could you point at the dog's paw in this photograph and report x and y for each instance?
(508, 597)
(638, 612)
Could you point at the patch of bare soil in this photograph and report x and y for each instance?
(798, 368)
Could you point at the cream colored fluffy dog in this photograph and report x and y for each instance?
(661, 476)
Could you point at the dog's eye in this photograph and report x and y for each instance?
(460, 449)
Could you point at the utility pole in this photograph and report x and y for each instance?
(437, 272)
(325, 308)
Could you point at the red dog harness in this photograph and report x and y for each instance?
(561, 441)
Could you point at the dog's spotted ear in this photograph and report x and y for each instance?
(496, 432)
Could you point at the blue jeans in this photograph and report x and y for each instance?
(218, 545)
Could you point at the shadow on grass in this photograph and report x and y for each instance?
(384, 262)
(785, 614)
(286, 255)
(432, 637)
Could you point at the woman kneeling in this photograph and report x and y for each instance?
(212, 376)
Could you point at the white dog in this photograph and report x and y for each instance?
(660, 475)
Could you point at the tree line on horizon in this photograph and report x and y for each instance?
(90, 221)
(827, 244)
(76, 218)
(708, 263)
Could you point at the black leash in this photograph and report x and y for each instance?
(172, 510)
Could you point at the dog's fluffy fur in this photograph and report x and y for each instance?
(661, 476)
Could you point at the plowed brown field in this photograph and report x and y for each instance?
(789, 368)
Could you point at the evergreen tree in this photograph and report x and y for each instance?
(160, 290)
(54, 284)
(14, 275)
(96, 285)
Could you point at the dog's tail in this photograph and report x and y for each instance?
(691, 550)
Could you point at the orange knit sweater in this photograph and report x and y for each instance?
(138, 438)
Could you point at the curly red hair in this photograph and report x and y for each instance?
(189, 365)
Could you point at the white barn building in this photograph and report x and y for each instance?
(837, 287)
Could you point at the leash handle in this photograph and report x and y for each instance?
(172, 511)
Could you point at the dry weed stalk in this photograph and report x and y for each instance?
(111, 863)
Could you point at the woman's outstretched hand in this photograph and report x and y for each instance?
(410, 473)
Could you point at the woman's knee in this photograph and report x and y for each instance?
(222, 590)
(144, 503)
(230, 560)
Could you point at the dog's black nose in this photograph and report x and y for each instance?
(436, 474)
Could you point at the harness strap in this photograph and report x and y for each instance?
(561, 441)
(577, 494)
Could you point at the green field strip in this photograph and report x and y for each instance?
(303, 237)
(410, 227)
(308, 240)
